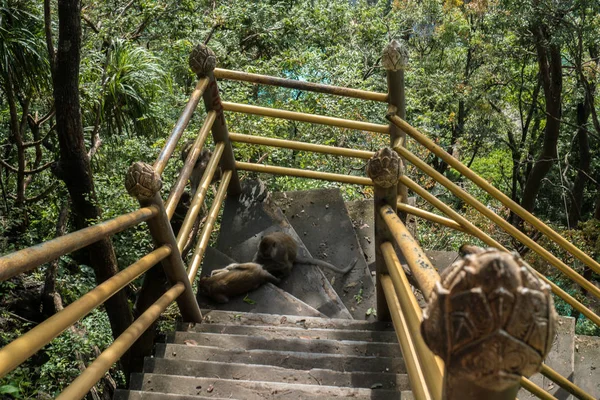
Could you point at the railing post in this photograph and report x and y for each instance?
(143, 183)
(395, 60)
(203, 61)
(384, 169)
(491, 320)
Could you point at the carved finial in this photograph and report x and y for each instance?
(141, 181)
(202, 60)
(384, 168)
(395, 56)
(490, 318)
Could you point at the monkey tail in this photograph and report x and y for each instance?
(324, 264)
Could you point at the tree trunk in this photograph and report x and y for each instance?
(74, 166)
(583, 113)
(550, 65)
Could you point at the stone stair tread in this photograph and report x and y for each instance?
(308, 345)
(249, 319)
(277, 374)
(361, 214)
(441, 259)
(266, 299)
(287, 332)
(587, 364)
(286, 359)
(121, 394)
(252, 214)
(255, 390)
(321, 220)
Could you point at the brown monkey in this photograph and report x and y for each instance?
(200, 166)
(278, 251)
(467, 249)
(233, 280)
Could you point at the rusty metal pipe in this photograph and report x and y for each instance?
(420, 266)
(96, 370)
(303, 173)
(497, 194)
(300, 85)
(198, 200)
(432, 366)
(292, 144)
(514, 232)
(182, 123)
(409, 353)
(312, 118)
(20, 349)
(430, 216)
(484, 237)
(536, 390)
(188, 167)
(208, 226)
(24, 260)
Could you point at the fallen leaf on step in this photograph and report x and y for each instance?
(363, 226)
(210, 388)
(376, 386)
(190, 342)
(350, 285)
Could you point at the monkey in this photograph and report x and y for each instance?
(467, 249)
(233, 280)
(278, 252)
(200, 166)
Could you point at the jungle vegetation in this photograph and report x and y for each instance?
(87, 87)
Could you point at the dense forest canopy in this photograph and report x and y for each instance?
(508, 87)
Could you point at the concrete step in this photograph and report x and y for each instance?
(253, 390)
(272, 332)
(265, 299)
(321, 219)
(307, 345)
(267, 373)
(245, 219)
(587, 364)
(560, 358)
(121, 394)
(361, 215)
(290, 321)
(285, 359)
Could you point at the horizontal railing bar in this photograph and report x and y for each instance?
(300, 85)
(198, 200)
(182, 123)
(409, 353)
(303, 173)
(26, 259)
(295, 145)
(304, 117)
(433, 367)
(96, 370)
(423, 271)
(208, 226)
(504, 199)
(484, 237)
(565, 383)
(536, 390)
(188, 167)
(20, 349)
(429, 216)
(501, 222)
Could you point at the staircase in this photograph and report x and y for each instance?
(314, 335)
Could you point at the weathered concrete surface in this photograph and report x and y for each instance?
(251, 390)
(139, 395)
(441, 259)
(285, 359)
(308, 345)
(587, 364)
(246, 219)
(266, 299)
(321, 220)
(272, 332)
(361, 214)
(235, 318)
(560, 358)
(314, 376)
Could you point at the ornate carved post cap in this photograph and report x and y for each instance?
(395, 56)
(384, 168)
(202, 60)
(141, 181)
(490, 318)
